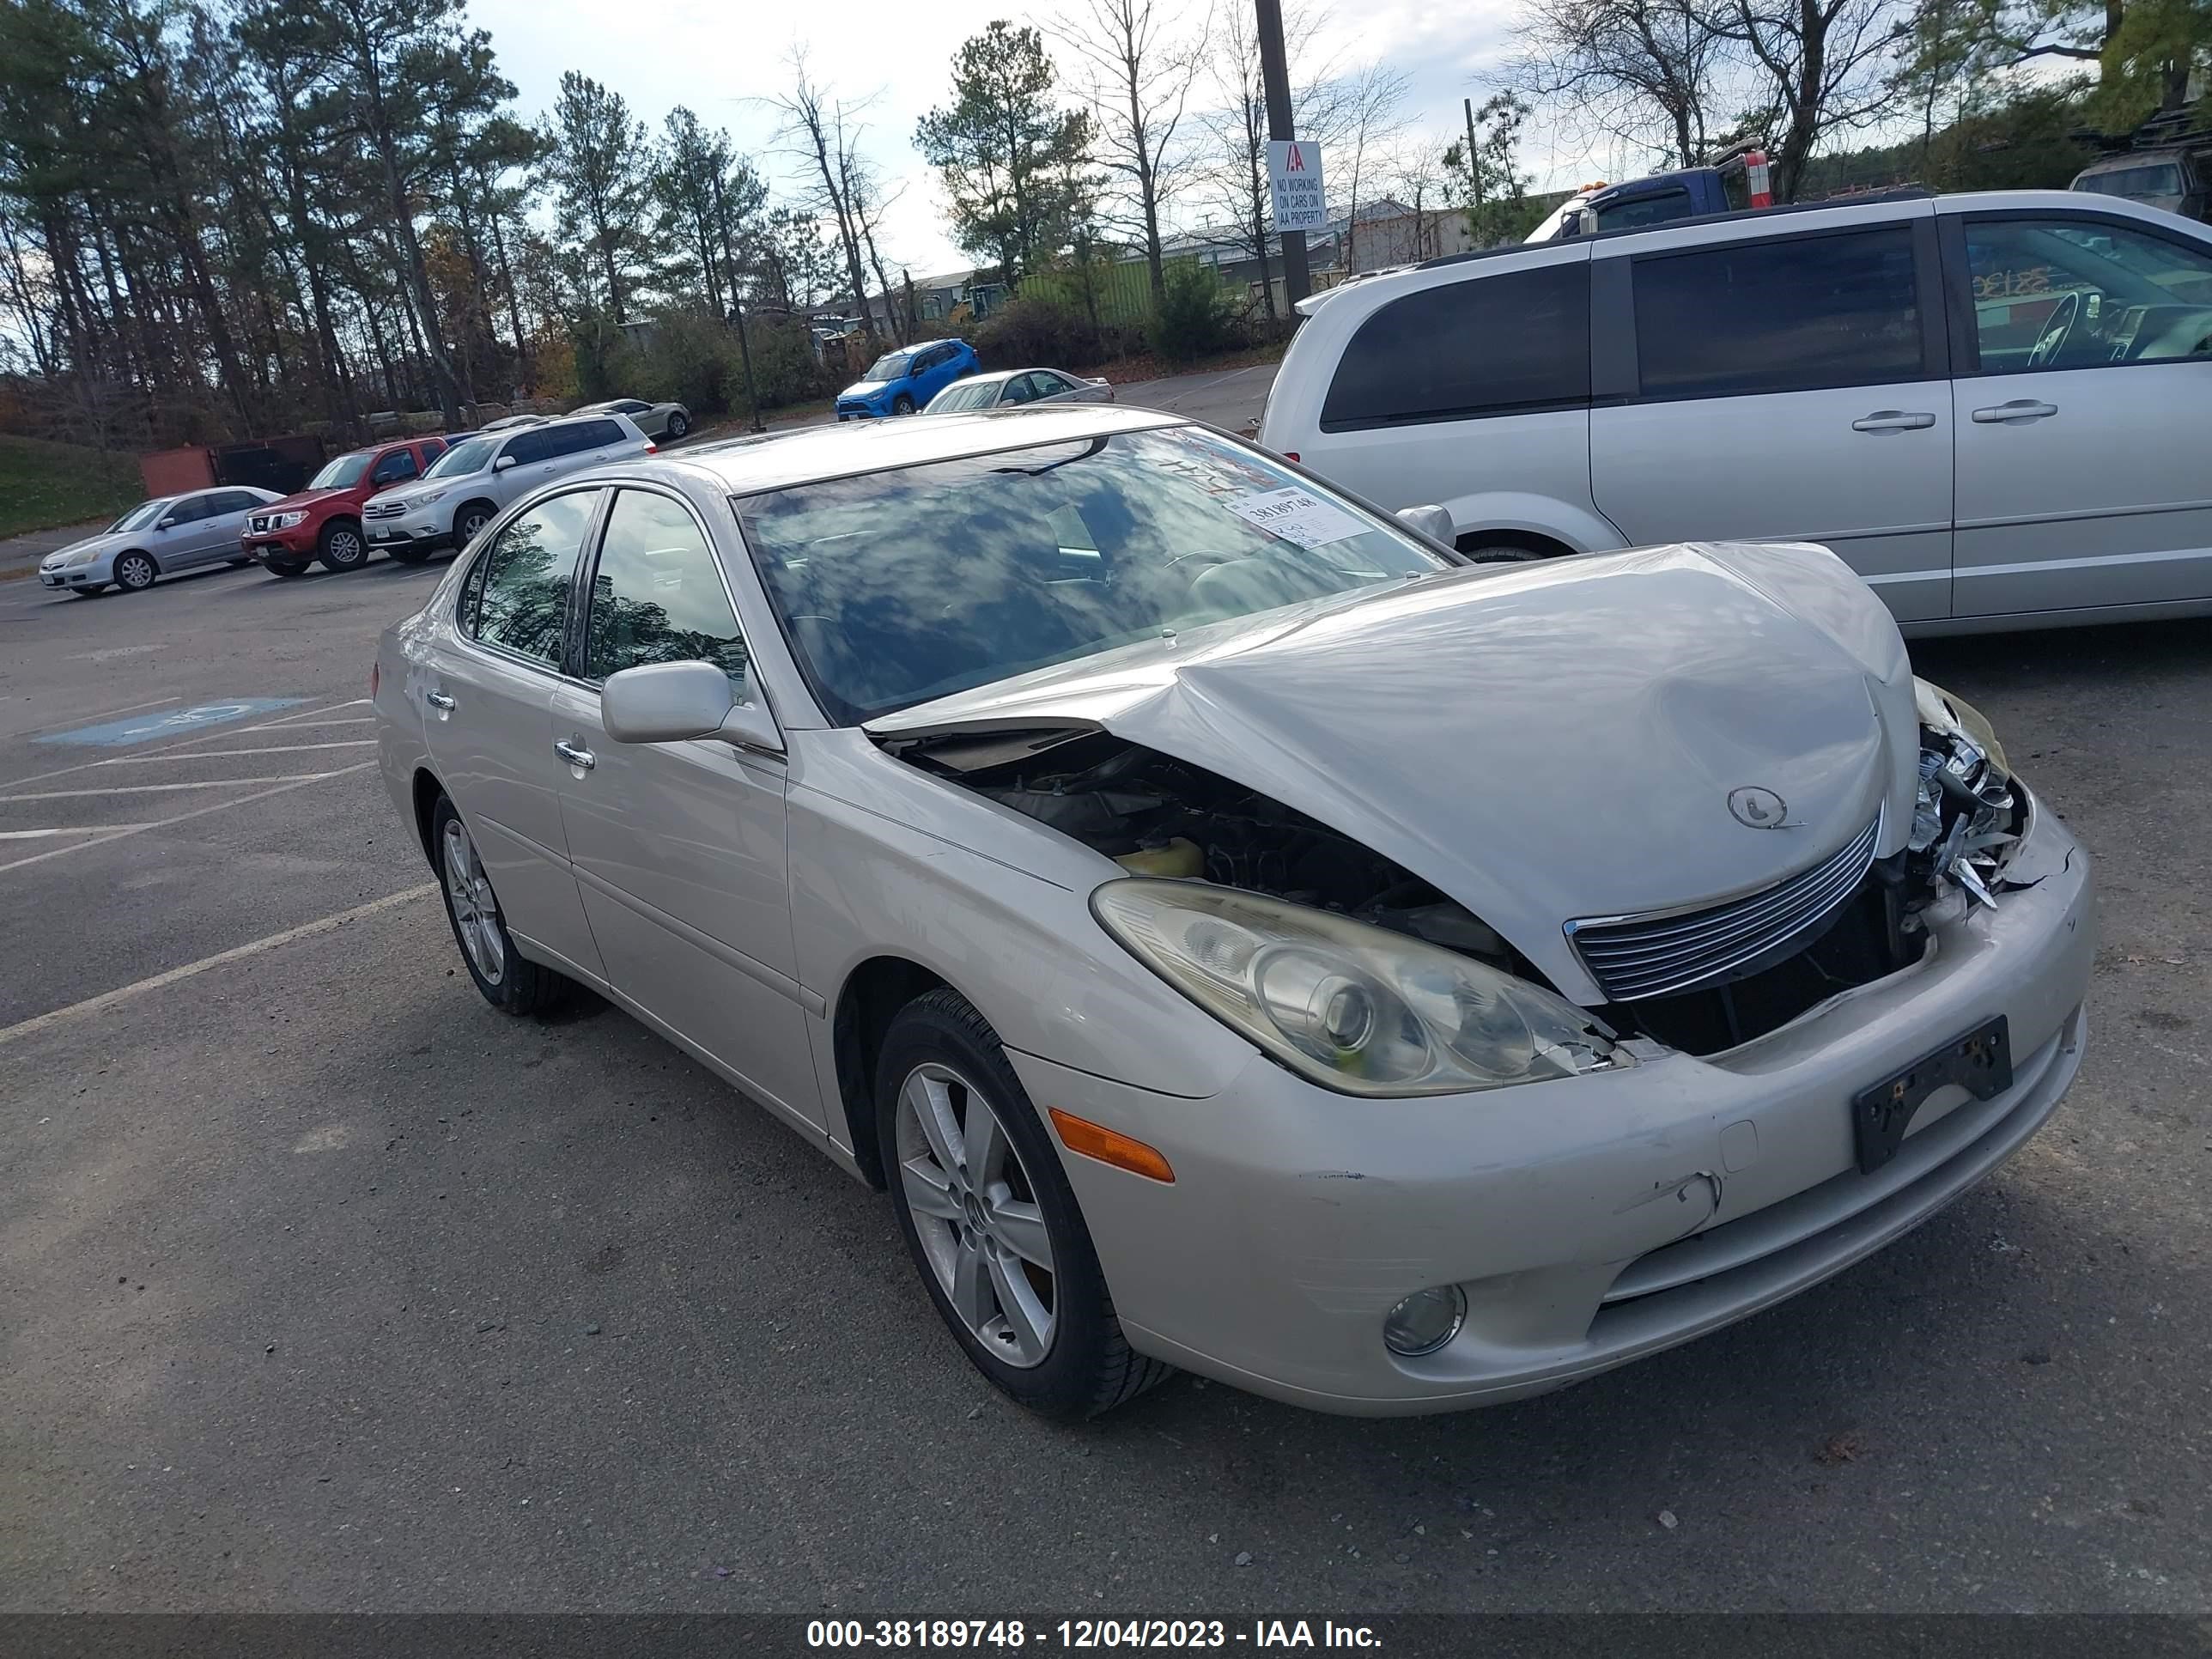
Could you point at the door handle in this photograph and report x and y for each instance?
(574, 754)
(2019, 409)
(438, 700)
(1893, 420)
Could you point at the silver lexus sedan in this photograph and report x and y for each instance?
(1239, 935)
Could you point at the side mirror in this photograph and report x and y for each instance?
(502, 464)
(670, 701)
(1434, 522)
(168, 522)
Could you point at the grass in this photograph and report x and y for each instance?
(43, 484)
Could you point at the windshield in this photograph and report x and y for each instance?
(470, 457)
(345, 471)
(891, 366)
(899, 587)
(139, 516)
(964, 394)
(2162, 179)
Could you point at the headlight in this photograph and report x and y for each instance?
(285, 520)
(1359, 1009)
(413, 502)
(1949, 712)
(75, 559)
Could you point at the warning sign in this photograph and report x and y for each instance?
(1294, 169)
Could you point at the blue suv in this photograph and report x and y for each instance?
(902, 381)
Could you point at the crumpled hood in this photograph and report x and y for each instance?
(294, 503)
(1542, 742)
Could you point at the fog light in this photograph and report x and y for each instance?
(1424, 1320)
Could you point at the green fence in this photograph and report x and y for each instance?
(1123, 289)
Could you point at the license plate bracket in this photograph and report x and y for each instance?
(1980, 1061)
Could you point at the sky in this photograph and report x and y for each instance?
(725, 62)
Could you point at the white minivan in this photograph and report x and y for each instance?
(1991, 406)
(466, 487)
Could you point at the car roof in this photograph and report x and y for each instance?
(744, 466)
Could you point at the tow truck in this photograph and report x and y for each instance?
(1735, 180)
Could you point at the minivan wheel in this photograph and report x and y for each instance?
(990, 1220)
(901, 405)
(340, 546)
(135, 572)
(509, 982)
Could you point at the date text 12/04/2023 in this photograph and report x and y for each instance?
(1080, 1635)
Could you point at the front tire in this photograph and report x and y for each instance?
(472, 518)
(901, 405)
(340, 547)
(135, 572)
(991, 1221)
(508, 981)
(285, 566)
(678, 426)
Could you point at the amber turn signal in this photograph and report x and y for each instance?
(1080, 1134)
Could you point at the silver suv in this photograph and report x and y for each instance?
(466, 488)
(1991, 406)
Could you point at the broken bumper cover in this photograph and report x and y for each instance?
(1588, 1221)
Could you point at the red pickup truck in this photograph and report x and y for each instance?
(323, 521)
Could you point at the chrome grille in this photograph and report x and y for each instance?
(261, 521)
(1632, 957)
(384, 509)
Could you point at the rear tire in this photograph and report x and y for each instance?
(135, 572)
(340, 547)
(1045, 1333)
(508, 981)
(285, 566)
(678, 426)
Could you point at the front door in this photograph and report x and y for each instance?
(678, 848)
(1789, 388)
(488, 694)
(2082, 414)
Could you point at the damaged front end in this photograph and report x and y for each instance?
(1967, 814)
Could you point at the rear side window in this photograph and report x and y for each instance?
(1816, 311)
(1491, 345)
(599, 434)
(527, 573)
(533, 446)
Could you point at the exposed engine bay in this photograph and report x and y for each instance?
(1159, 816)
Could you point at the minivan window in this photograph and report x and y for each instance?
(656, 595)
(1784, 316)
(470, 456)
(2080, 292)
(1500, 343)
(528, 571)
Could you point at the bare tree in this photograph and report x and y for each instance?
(1138, 69)
(1644, 71)
(812, 133)
(1824, 66)
(1418, 178)
(1373, 114)
(865, 201)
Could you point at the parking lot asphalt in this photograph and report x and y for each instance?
(327, 1287)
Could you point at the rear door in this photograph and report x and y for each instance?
(2083, 404)
(227, 522)
(678, 848)
(488, 695)
(1792, 387)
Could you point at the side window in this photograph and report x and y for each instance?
(1645, 211)
(1814, 311)
(656, 595)
(601, 434)
(394, 468)
(535, 445)
(433, 447)
(235, 501)
(1485, 345)
(189, 510)
(1020, 390)
(2070, 293)
(527, 573)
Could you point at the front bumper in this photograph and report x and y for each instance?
(290, 545)
(415, 529)
(1590, 1221)
(99, 573)
(859, 411)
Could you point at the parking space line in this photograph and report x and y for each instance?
(197, 813)
(69, 829)
(306, 715)
(359, 720)
(165, 788)
(233, 754)
(108, 999)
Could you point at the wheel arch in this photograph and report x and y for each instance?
(490, 511)
(867, 1002)
(427, 792)
(143, 553)
(1544, 547)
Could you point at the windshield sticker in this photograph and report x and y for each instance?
(1296, 515)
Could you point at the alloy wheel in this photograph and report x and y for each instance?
(345, 550)
(471, 522)
(476, 911)
(135, 572)
(976, 1214)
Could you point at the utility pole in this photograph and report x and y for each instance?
(1473, 161)
(1275, 77)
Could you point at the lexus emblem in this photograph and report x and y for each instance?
(1758, 809)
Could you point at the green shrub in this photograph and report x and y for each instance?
(1191, 320)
